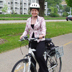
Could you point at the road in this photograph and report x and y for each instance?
(8, 59)
(23, 21)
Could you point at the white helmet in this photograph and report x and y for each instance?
(35, 5)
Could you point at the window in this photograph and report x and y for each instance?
(16, 2)
(11, 2)
(8, 2)
(0, 1)
(20, 8)
(16, 7)
(24, 13)
(20, 3)
(25, 8)
(11, 7)
(29, 3)
(0, 7)
(8, 8)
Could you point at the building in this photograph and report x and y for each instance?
(1, 5)
(18, 6)
(63, 3)
(15, 6)
(24, 5)
(6, 2)
(46, 9)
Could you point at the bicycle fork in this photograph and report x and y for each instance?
(29, 64)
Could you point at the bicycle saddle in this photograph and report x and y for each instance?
(48, 40)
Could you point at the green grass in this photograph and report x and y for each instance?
(25, 17)
(13, 18)
(11, 29)
(54, 18)
(58, 28)
(12, 32)
(13, 15)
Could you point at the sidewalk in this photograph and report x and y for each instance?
(23, 21)
(8, 59)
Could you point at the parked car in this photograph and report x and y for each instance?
(69, 17)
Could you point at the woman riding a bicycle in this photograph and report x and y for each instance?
(36, 27)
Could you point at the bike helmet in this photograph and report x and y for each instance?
(34, 5)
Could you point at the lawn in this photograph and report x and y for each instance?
(14, 15)
(10, 33)
(25, 17)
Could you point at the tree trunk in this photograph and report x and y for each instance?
(41, 12)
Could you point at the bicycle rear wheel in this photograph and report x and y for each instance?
(22, 66)
(54, 64)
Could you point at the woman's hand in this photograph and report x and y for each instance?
(21, 37)
(41, 36)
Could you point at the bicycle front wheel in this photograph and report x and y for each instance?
(23, 66)
(54, 64)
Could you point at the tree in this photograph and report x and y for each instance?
(60, 7)
(54, 5)
(55, 10)
(41, 2)
(52, 9)
(4, 9)
(53, 2)
(69, 2)
(67, 8)
(71, 11)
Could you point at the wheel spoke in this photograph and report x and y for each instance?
(22, 66)
(54, 64)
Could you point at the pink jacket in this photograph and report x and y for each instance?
(39, 28)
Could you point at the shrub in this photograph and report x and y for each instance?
(54, 15)
(65, 14)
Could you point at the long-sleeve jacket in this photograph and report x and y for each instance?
(39, 28)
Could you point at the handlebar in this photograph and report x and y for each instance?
(29, 39)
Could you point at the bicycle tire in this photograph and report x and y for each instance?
(19, 68)
(57, 63)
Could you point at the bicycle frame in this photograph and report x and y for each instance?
(30, 53)
(53, 60)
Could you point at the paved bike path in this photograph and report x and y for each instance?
(8, 59)
(23, 21)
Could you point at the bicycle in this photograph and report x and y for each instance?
(52, 55)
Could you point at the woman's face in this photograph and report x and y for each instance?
(34, 12)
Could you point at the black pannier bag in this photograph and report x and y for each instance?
(50, 47)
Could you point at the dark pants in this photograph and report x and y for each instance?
(40, 48)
